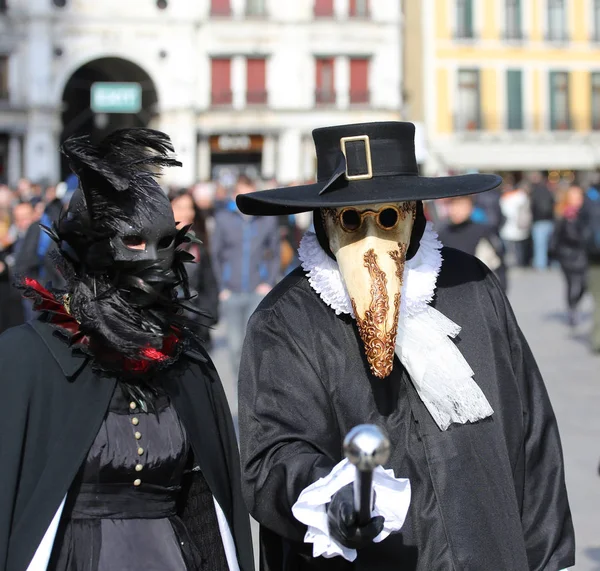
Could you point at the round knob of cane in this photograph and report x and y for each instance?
(367, 446)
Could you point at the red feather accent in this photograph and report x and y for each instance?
(153, 354)
(45, 301)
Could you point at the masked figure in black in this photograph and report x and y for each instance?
(383, 325)
(122, 452)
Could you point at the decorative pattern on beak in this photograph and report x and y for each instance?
(399, 257)
(379, 343)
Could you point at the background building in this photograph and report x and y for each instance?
(510, 85)
(236, 83)
(12, 117)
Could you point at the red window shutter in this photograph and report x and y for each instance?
(325, 81)
(359, 80)
(221, 81)
(256, 80)
(220, 8)
(323, 8)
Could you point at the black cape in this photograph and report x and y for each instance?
(52, 407)
(487, 496)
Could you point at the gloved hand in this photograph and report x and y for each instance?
(342, 521)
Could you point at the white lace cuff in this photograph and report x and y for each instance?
(392, 498)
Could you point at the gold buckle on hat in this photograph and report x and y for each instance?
(369, 173)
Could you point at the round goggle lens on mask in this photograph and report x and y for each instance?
(388, 218)
(351, 219)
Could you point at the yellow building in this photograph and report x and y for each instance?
(507, 85)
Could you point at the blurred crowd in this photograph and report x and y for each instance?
(533, 222)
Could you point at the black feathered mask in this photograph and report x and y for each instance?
(119, 212)
(119, 242)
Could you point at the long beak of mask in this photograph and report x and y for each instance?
(370, 244)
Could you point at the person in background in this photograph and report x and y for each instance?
(222, 198)
(6, 201)
(4, 192)
(50, 194)
(245, 252)
(542, 213)
(23, 216)
(487, 210)
(36, 191)
(203, 194)
(568, 247)
(24, 191)
(11, 308)
(517, 224)
(479, 240)
(33, 259)
(200, 274)
(436, 211)
(590, 219)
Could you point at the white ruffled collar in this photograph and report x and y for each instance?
(420, 274)
(440, 374)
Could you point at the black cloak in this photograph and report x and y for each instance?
(487, 496)
(52, 407)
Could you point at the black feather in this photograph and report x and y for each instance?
(127, 160)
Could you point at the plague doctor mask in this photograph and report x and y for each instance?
(370, 244)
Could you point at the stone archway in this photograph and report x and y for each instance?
(78, 117)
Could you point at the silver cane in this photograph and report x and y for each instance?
(366, 446)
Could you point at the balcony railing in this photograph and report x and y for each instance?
(465, 34)
(359, 14)
(474, 123)
(557, 36)
(221, 98)
(257, 14)
(464, 123)
(324, 97)
(561, 125)
(513, 35)
(256, 97)
(360, 97)
(524, 123)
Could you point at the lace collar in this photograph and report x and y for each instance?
(420, 274)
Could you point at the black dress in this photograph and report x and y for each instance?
(121, 512)
(54, 406)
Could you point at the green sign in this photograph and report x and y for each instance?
(109, 97)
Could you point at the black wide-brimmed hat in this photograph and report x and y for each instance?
(364, 163)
